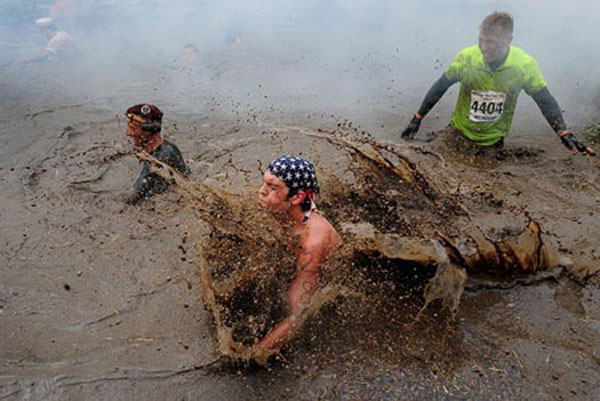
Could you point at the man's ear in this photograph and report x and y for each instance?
(298, 198)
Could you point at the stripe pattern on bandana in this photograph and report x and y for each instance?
(298, 174)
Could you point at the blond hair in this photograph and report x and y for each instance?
(498, 18)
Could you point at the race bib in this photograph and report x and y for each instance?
(486, 106)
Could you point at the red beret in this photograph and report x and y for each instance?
(147, 111)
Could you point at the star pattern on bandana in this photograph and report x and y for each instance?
(296, 172)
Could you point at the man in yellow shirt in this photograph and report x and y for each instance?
(492, 74)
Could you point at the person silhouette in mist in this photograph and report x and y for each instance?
(60, 44)
(492, 74)
(144, 124)
(191, 53)
(287, 191)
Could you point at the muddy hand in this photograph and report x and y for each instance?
(261, 355)
(575, 145)
(130, 198)
(411, 130)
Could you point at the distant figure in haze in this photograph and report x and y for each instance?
(143, 127)
(288, 190)
(60, 44)
(233, 37)
(191, 52)
(491, 75)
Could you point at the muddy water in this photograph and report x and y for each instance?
(100, 300)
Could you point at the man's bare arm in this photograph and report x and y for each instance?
(304, 285)
(308, 273)
(43, 55)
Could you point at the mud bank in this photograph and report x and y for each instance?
(100, 300)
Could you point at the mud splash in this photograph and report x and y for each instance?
(399, 229)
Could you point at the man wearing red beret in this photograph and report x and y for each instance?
(143, 127)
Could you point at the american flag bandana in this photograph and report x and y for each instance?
(296, 172)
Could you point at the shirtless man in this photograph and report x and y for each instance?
(288, 191)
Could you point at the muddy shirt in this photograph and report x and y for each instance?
(149, 184)
(488, 98)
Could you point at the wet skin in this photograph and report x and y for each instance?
(315, 241)
(272, 194)
(142, 139)
(135, 132)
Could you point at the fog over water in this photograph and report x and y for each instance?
(359, 60)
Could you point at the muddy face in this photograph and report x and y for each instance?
(136, 133)
(273, 194)
(494, 44)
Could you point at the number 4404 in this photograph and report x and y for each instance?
(487, 107)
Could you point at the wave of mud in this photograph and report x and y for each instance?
(407, 237)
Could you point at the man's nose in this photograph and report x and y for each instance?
(262, 190)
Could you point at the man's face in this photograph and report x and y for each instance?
(494, 44)
(136, 133)
(273, 194)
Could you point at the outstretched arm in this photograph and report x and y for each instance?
(147, 185)
(304, 285)
(551, 111)
(41, 56)
(434, 94)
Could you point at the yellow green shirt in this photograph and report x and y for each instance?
(487, 99)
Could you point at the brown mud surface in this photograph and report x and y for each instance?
(100, 300)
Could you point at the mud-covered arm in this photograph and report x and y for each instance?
(307, 275)
(304, 285)
(148, 184)
(434, 94)
(175, 160)
(550, 109)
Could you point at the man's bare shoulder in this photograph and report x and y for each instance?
(320, 234)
